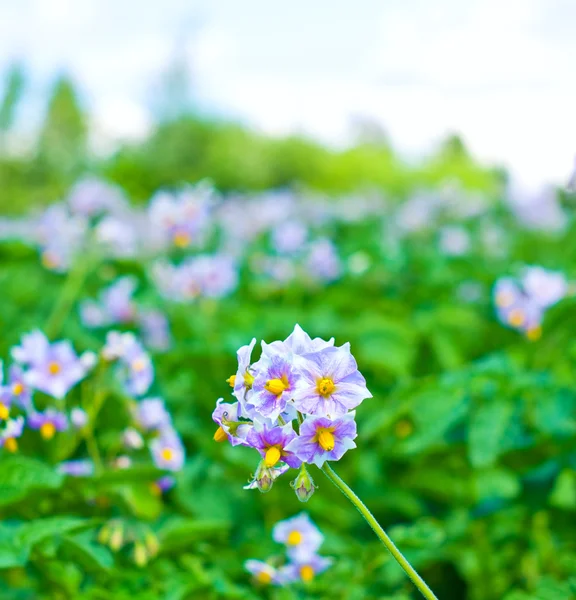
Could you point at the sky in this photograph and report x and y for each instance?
(497, 72)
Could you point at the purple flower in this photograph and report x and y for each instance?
(78, 418)
(273, 386)
(132, 439)
(301, 537)
(155, 330)
(164, 484)
(298, 343)
(151, 414)
(16, 390)
(330, 383)
(229, 425)
(263, 573)
(323, 262)
(168, 451)
(243, 380)
(304, 570)
(271, 443)
(136, 369)
(52, 368)
(76, 468)
(183, 217)
(515, 309)
(12, 431)
(322, 439)
(544, 287)
(289, 237)
(91, 196)
(48, 422)
(116, 305)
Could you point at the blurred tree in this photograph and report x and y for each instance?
(13, 92)
(62, 145)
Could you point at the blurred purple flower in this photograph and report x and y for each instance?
(51, 368)
(155, 330)
(13, 429)
(323, 262)
(48, 422)
(289, 237)
(76, 468)
(78, 418)
(263, 573)
(151, 414)
(301, 537)
(167, 450)
(304, 570)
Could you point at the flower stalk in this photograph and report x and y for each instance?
(370, 519)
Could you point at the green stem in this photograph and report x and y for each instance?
(409, 570)
(70, 291)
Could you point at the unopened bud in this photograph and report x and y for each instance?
(104, 535)
(303, 485)
(152, 544)
(117, 538)
(264, 478)
(140, 554)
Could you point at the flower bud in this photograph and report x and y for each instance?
(152, 544)
(117, 538)
(303, 485)
(140, 554)
(104, 535)
(264, 478)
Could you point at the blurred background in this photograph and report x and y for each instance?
(101, 84)
(396, 175)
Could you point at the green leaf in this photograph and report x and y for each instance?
(564, 493)
(486, 431)
(141, 500)
(180, 533)
(92, 556)
(496, 483)
(20, 475)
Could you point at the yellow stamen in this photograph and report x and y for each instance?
(516, 317)
(11, 444)
(248, 379)
(273, 455)
(231, 380)
(181, 239)
(54, 368)
(4, 412)
(504, 299)
(138, 365)
(17, 388)
(167, 454)
(220, 435)
(264, 577)
(47, 430)
(49, 260)
(307, 573)
(277, 386)
(534, 334)
(294, 538)
(326, 439)
(325, 386)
